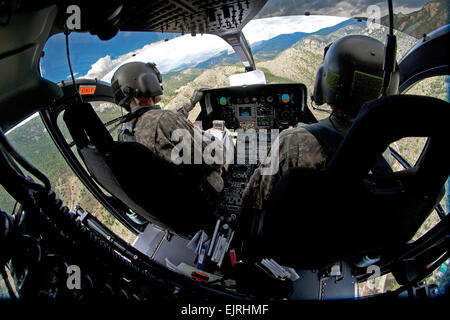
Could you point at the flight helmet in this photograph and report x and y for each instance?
(134, 80)
(352, 73)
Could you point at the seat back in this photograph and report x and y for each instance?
(387, 120)
(150, 186)
(101, 172)
(343, 212)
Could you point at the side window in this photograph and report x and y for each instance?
(108, 111)
(31, 140)
(410, 148)
(7, 203)
(435, 87)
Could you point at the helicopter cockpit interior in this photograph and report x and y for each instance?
(321, 234)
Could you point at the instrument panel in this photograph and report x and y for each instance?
(261, 106)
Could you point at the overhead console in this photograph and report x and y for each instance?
(259, 106)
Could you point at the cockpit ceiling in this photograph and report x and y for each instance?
(188, 16)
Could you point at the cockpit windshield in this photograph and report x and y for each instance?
(278, 26)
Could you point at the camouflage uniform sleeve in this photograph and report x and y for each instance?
(298, 148)
(184, 108)
(189, 104)
(154, 129)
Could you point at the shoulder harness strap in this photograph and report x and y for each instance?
(128, 122)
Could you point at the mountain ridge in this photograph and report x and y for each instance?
(269, 49)
(431, 16)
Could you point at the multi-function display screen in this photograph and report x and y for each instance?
(245, 111)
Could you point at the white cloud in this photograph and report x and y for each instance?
(99, 68)
(70, 76)
(264, 29)
(169, 55)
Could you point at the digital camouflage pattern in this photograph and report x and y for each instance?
(297, 148)
(154, 130)
(184, 108)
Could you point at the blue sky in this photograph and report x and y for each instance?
(86, 49)
(93, 58)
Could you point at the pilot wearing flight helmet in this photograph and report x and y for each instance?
(350, 75)
(137, 88)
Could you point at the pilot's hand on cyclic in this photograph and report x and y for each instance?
(189, 104)
(196, 97)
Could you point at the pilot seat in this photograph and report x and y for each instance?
(156, 190)
(345, 212)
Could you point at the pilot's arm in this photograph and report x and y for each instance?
(155, 131)
(188, 105)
